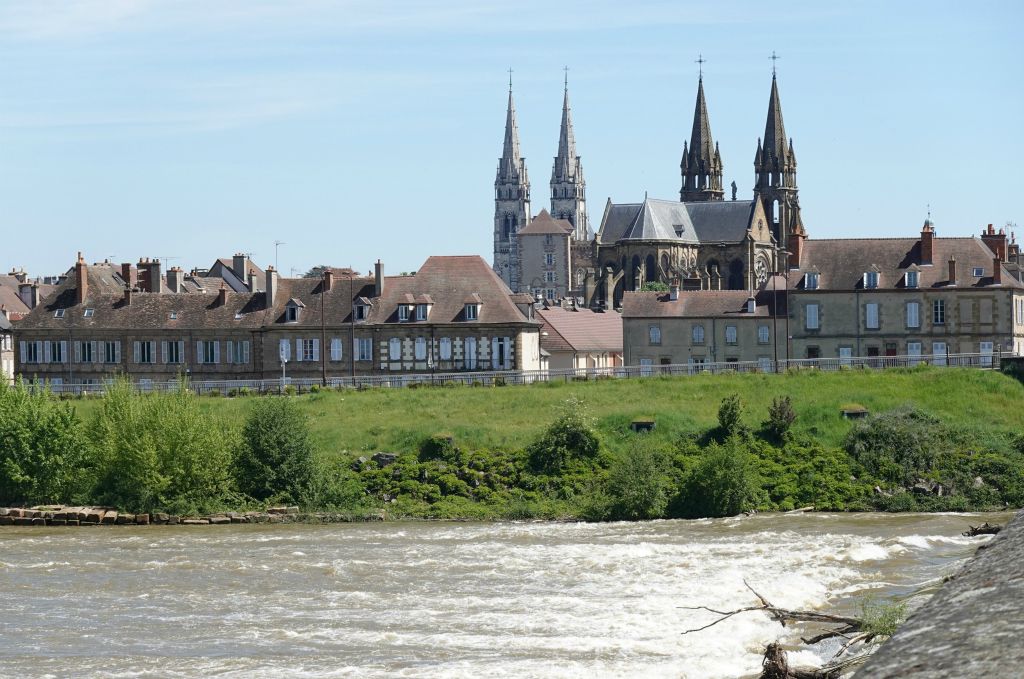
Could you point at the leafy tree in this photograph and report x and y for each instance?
(570, 437)
(317, 271)
(724, 482)
(729, 414)
(637, 484)
(276, 459)
(42, 447)
(781, 417)
(898, 446)
(654, 286)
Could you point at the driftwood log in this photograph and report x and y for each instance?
(775, 664)
(984, 529)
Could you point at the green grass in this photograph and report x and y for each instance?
(509, 417)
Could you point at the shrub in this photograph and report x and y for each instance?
(780, 417)
(441, 447)
(276, 460)
(43, 447)
(729, 413)
(882, 619)
(289, 390)
(898, 446)
(570, 437)
(637, 484)
(724, 482)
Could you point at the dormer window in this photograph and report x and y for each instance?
(59, 313)
(361, 312)
(978, 272)
(88, 313)
(811, 280)
(403, 312)
(293, 310)
(421, 312)
(472, 312)
(870, 280)
(912, 279)
(173, 315)
(238, 315)
(292, 314)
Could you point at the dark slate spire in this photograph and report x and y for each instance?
(565, 161)
(775, 170)
(702, 164)
(511, 162)
(568, 188)
(774, 129)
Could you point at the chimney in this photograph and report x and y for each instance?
(997, 271)
(128, 296)
(130, 275)
(175, 280)
(328, 280)
(222, 295)
(796, 247)
(952, 271)
(252, 282)
(156, 278)
(33, 296)
(927, 242)
(81, 280)
(25, 293)
(673, 290)
(751, 305)
(238, 265)
(996, 242)
(19, 275)
(378, 279)
(271, 288)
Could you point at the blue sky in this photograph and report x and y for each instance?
(355, 129)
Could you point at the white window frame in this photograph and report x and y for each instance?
(811, 280)
(420, 349)
(913, 314)
(939, 352)
(871, 319)
(549, 259)
(421, 312)
(336, 349)
(870, 280)
(549, 276)
(763, 334)
(812, 321)
(395, 349)
(469, 351)
(364, 349)
(403, 312)
(986, 349)
(173, 352)
(445, 348)
(654, 334)
(697, 334)
(646, 367)
(846, 356)
(913, 352)
(938, 311)
(284, 349)
(472, 312)
(912, 279)
(731, 334)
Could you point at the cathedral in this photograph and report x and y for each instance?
(702, 241)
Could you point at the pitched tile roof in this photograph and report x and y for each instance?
(544, 223)
(451, 282)
(707, 222)
(843, 262)
(696, 304)
(580, 330)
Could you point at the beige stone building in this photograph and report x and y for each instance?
(455, 314)
(573, 337)
(545, 257)
(925, 296)
(695, 327)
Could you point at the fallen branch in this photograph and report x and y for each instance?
(984, 529)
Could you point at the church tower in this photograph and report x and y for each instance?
(511, 201)
(702, 163)
(775, 170)
(568, 188)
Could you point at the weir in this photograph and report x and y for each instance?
(972, 627)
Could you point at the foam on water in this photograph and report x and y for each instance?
(453, 600)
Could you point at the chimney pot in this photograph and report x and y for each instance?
(952, 271)
(378, 278)
(81, 280)
(328, 280)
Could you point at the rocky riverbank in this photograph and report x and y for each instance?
(59, 515)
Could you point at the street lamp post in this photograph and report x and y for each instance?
(323, 328)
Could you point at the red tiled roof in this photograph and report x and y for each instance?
(580, 330)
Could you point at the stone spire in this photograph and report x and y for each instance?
(775, 173)
(511, 199)
(568, 187)
(701, 165)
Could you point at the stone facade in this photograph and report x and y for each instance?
(545, 257)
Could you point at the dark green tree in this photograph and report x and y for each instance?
(570, 437)
(276, 459)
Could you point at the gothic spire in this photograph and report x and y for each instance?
(774, 129)
(508, 168)
(700, 138)
(702, 164)
(565, 161)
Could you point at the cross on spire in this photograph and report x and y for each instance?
(774, 58)
(510, 79)
(700, 64)
(566, 69)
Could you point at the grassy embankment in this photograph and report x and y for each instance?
(955, 432)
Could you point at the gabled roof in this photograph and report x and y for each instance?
(843, 262)
(580, 330)
(544, 223)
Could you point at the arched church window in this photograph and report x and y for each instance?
(650, 272)
(736, 275)
(775, 211)
(634, 273)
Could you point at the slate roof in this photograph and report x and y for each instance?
(10, 298)
(4, 323)
(696, 304)
(654, 219)
(450, 282)
(843, 262)
(580, 330)
(544, 223)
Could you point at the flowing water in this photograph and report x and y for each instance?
(443, 599)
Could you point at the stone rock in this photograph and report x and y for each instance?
(110, 517)
(72, 522)
(57, 522)
(38, 521)
(160, 517)
(6, 520)
(123, 519)
(978, 482)
(142, 519)
(239, 519)
(357, 464)
(4, 511)
(173, 520)
(195, 522)
(219, 519)
(384, 459)
(94, 516)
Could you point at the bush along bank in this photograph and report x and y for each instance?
(163, 453)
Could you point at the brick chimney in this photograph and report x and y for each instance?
(328, 280)
(128, 296)
(997, 271)
(952, 271)
(271, 288)
(252, 281)
(927, 242)
(222, 295)
(19, 275)
(796, 249)
(238, 265)
(25, 293)
(156, 277)
(81, 280)
(996, 242)
(130, 274)
(378, 279)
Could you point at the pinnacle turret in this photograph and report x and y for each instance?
(568, 188)
(511, 199)
(775, 170)
(701, 165)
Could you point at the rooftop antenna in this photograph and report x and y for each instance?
(774, 58)
(166, 258)
(277, 244)
(700, 65)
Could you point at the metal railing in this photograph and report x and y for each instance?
(517, 377)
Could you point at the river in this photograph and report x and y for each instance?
(443, 599)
